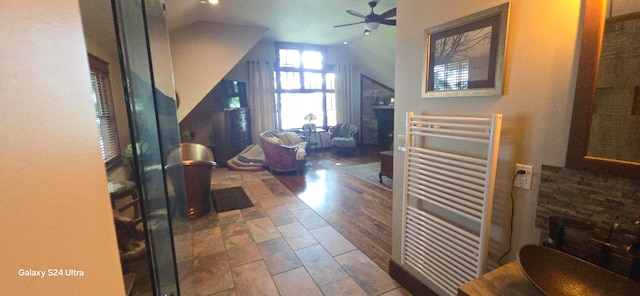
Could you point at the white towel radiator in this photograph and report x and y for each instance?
(448, 194)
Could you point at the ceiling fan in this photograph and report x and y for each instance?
(372, 20)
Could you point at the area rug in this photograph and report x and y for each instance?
(228, 199)
(369, 172)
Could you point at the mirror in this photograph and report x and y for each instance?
(605, 124)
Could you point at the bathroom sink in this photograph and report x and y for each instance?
(558, 273)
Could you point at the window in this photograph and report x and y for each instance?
(105, 115)
(304, 84)
(451, 76)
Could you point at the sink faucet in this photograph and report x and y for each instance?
(557, 226)
(633, 250)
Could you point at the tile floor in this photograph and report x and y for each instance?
(277, 247)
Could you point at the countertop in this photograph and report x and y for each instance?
(505, 280)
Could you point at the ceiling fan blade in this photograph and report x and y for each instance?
(389, 13)
(388, 22)
(355, 13)
(344, 25)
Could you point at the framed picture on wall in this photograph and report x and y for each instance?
(465, 57)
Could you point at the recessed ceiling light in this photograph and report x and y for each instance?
(345, 43)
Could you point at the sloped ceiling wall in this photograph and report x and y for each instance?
(374, 55)
(203, 53)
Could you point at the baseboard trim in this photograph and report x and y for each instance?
(408, 281)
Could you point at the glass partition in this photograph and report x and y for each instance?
(154, 129)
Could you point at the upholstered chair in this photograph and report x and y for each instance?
(283, 151)
(343, 137)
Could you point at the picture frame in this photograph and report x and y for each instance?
(465, 57)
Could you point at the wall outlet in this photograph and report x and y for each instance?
(402, 143)
(523, 180)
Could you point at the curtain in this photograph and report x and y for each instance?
(261, 98)
(345, 100)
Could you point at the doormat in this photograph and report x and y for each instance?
(228, 199)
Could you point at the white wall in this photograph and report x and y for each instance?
(375, 55)
(538, 95)
(53, 198)
(203, 53)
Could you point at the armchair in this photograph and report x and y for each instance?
(284, 151)
(343, 137)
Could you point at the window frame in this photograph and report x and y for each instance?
(110, 148)
(278, 69)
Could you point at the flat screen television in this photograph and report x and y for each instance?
(235, 94)
(228, 94)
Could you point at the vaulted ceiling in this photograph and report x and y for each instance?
(304, 21)
(300, 21)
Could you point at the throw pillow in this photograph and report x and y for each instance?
(274, 140)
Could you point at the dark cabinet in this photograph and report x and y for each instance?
(231, 133)
(230, 120)
(386, 164)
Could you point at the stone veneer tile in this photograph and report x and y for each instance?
(280, 215)
(597, 199)
(208, 221)
(205, 275)
(278, 256)
(296, 282)
(293, 203)
(251, 185)
(594, 198)
(207, 242)
(232, 223)
(262, 229)
(332, 240)
(254, 279)
(241, 250)
(183, 245)
(297, 236)
(367, 274)
(254, 212)
(310, 219)
(343, 287)
(320, 265)
(258, 188)
(397, 292)
(277, 188)
(268, 200)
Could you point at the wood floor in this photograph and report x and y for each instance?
(359, 210)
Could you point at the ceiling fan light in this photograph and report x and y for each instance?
(366, 32)
(371, 25)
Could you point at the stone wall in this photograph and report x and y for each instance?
(599, 200)
(615, 129)
(372, 94)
